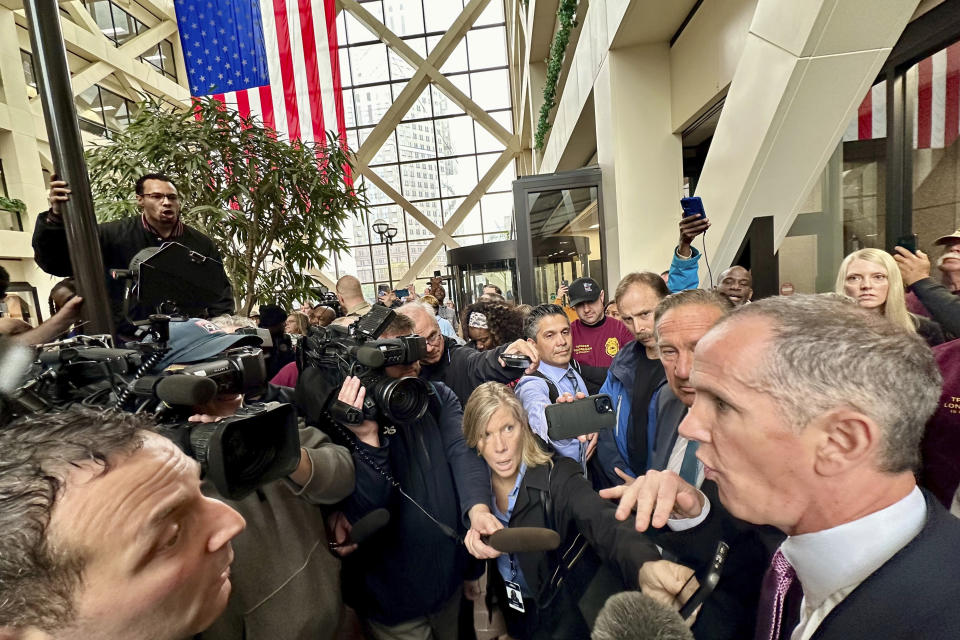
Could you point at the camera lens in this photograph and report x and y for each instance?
(604, 405)
(401, 400)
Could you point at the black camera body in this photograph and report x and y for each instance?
(238, 453)
(357, 350)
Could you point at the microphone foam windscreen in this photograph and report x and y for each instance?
(524, 539)
(368, 525)
(186, 391)
(632, 615)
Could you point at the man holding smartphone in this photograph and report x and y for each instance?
(548, 330)
(927, 297)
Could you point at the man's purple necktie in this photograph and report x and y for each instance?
(773, 619)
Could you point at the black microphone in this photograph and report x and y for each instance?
(524, 539)
(187, 391)
(632, 615)
(368, 525)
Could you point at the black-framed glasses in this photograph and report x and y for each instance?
(158, 197)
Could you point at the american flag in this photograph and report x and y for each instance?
(936, 119)
(274, 60)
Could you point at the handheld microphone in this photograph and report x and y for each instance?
(524, 539)
(368, 525)
(631, 615)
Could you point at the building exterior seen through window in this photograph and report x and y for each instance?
(438, 153)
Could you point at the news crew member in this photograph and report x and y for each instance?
(534, 487)
(406, 582)
(106, 533)
(459, 367)
(286, 585)
(798, 428)
(159, 222)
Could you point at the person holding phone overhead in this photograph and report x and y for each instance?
(871, 277)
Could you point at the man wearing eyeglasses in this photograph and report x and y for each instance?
(159, 222)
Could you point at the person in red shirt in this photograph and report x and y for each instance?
(597, 338)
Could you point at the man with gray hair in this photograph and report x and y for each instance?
(459, 367)
(809, 414)
(635, 447)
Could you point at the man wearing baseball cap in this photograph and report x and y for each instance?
(281, 587)
(195, 340)
(927, 297)
(596, 337)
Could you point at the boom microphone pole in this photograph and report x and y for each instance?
(66, 148)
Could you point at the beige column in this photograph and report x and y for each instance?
(804, 70)
(20, 153)
(641, 159)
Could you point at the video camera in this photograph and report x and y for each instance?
(358, 350)
(170, 279)
(238, 454)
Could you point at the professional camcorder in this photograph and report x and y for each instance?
(358, 350)
(238, 453)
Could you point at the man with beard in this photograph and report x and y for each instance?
(927, 297)
(159, 222)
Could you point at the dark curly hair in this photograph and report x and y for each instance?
(504, 321)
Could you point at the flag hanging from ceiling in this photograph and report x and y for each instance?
(936, 118)
(274, 60)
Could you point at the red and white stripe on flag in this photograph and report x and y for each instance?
(936, 120)
(304, 98)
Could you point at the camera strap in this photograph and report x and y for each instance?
(351, 438)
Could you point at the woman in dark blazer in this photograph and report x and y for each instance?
(534, 487)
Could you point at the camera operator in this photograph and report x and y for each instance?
(461, 368)
(285, 582)
(106, 533)
(406, 581)
(120, 240)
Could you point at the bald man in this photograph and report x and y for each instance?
(351, 297)
(736, 283)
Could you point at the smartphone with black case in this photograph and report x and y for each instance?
(580, 417)
(708, 582)
(515, 361)
(382, 289)
(907, 242)
(402, 293)
(692, 206)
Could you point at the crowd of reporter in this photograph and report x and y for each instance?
(814, 435)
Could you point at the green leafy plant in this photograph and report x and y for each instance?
(273, 208)
(558, 49)
(13, 204)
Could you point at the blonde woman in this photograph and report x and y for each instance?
(534, 487)
(871, 277)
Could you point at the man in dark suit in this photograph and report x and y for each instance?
(809, 414)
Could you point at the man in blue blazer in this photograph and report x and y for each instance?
(809, 413)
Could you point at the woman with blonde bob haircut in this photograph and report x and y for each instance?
(533, 486)
(871, 277)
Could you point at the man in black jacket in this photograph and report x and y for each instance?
(459, 367)
(406, 580)
(121, 240)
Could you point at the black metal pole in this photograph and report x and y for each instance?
(389, 268)
(66, 148)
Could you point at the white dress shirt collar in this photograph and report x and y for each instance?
(844, 556)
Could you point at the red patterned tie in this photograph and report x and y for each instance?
(780, 577)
